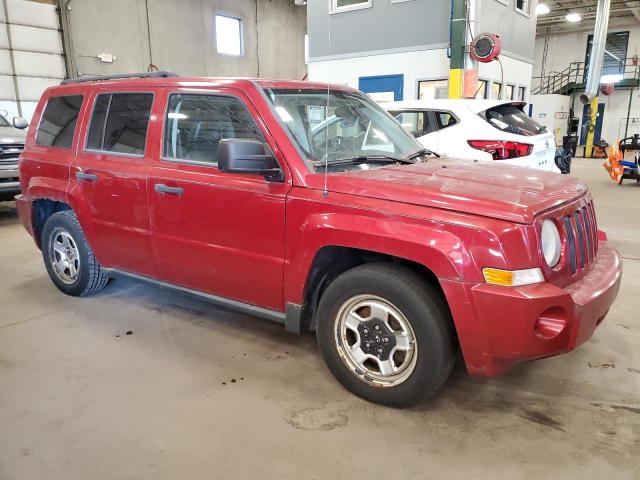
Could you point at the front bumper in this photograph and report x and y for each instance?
(501, 326)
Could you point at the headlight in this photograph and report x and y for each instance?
(550, 242)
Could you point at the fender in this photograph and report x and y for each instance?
(78, 203)
(49, 188)
(440, 251)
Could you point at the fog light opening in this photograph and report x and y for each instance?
(551, 323)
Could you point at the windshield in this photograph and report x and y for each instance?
(3, 121)
(352, 127)
(510, 118)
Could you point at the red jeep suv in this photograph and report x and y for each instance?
(308, 205)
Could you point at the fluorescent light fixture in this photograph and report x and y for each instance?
(573, 17)
(611, 78)
(542, 9)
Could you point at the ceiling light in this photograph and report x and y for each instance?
(573, 17)
(542, 9)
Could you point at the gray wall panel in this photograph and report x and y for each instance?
(183, 37)
(385, 26)
(410, 25)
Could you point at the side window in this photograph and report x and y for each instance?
(58, 122)
(196, 123)
(445, 119)
(119, 122)
(416, 123)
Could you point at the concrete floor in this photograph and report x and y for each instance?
(196, 392)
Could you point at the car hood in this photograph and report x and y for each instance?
(493, 190)
(12, 135)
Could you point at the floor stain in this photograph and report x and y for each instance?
(602, 365)
(627, 408)
(317, 419)
(543, 419)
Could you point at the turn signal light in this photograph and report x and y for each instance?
(501, 150)
(512, 278)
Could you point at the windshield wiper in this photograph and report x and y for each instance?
(421, 152)
(364, 159)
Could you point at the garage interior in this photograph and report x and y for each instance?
(143, 382)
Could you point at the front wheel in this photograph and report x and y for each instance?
(386, 334)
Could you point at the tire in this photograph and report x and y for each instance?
(79, 274)
(391, 291)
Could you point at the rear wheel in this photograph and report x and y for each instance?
(385, 334)
(68, 257)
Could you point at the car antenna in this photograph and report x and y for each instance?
(325, 191)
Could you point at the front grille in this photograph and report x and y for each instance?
(581, 237)
(9, 152)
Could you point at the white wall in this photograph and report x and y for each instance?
(31, 28)
(415, 66)
(552, 111)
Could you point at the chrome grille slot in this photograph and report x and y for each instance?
(581, 239)
(589, 233)
(9, 152)
(571, 244)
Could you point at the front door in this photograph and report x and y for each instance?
(213, 232)
(111, 170)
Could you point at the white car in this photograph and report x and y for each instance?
(494, 130)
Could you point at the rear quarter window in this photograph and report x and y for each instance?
(58, 123)
(445, 119)
(509, 118)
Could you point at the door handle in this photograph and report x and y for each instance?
(89, 177)
(162, 188)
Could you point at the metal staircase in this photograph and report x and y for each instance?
(572, 79)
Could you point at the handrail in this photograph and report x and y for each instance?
(576, 72)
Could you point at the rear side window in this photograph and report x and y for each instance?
(416, 123)
(195, 125)
(511, 119)
(119, 122)
(58, 122)
(445, 119)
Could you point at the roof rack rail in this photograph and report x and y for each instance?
(160, 74)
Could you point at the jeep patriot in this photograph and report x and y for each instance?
(308, 205)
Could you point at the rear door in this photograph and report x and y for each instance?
(214, 232)
(449, 143)
(111, 170)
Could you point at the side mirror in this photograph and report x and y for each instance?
(20, 123)
(236, 155)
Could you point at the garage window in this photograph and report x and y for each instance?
(339, 6)
(119, 122)
(195, 124)
(58, 122)
(522, 6)
(228, 35)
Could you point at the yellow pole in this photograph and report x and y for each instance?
(456, 79)
(588, 150)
